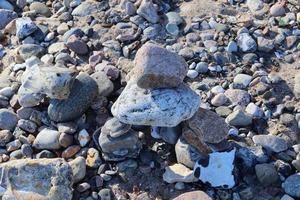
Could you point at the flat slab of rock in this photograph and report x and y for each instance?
(178, 173)
(83, 93)
(157, 67)
(207, 126)
(159, 107)
(28, 179)
(271, 142)
(217, 170)
(194, 195)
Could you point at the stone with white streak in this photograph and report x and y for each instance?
(158, 107)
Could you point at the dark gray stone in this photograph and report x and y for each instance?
(83, 92)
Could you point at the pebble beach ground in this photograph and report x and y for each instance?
(150, 99)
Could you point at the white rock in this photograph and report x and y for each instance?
(219, 170)
(254, 110)
(242, 79)
(159, 107)
(83, 137)
(178, 173)
(192, 73)
(217, 89)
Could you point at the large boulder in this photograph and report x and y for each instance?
(36, 179)
(158, 107)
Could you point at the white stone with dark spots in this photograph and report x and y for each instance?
(159, 107)
(217, 170)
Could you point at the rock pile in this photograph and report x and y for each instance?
(155, 94)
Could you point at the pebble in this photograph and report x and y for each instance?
(77, 45)
(246, 43)
(277, 9)
(219, 100)
(178, 173)
(47, 139)
(40, 8)
(192, 74)
(115, 128)
(78, 168)
(105, 194)
(239, 118)
(202, 67)
(105, 85)
(297, 86)
(242, 79)
(8, 119)
(83, 137)
(93, 159)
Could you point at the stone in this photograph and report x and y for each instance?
(242, 79)
(219, 100)
(27, 125)
(186, 154)
(24, 27)
(8, 119)
(89, 7)
(6, 17)
(47, 139)
(217, 169)
(105, 194)
(124, 146)
(114, 128)
(83, 137)
(205, 126)
(271, 142)
(68, 127)
(239, 118)
(159, 107)
(254, 110)
(6, 5)
(40, 8)
(42, 79)
(277, 9)
(194, 195)
(70, 151)
(266, 174)
(5, 137)
(77, 45)
(192, 74)
(238, 97)
(232, 47)
(65, 140)
(202, 67)
(297, 86)
(178, 173)
(156, 67)
(36, 179)
(105, 85)
(291, 185)
(93, 158)
(82, 94)
(265, 45)
(78, 168)
(27, 51)
(246, 43)
(148, 11)
(168, 134)
(174, 18)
